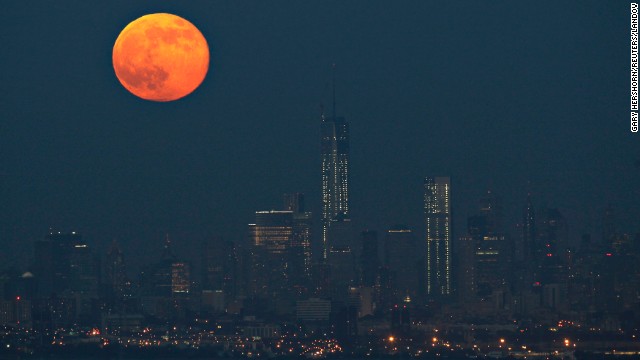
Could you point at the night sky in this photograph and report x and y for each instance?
(495, 94)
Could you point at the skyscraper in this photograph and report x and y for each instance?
(271, 237)
(334, 150)
(65, 263)
(301, 242)
(219, 266)
(401, 257)
(437, 208)
(115, 276)
(528, 232)
(369, 259)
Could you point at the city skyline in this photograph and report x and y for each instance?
(491, 108)
(319, 179)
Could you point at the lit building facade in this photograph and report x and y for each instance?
(180, 278)
(437, 208)
(270, 238)
(334, 144)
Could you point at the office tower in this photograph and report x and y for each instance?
(301, 242)
(401, 257)
(491, 209)
(115, 277)
(342, 271)
(466, 286)
(156, 279)
(341, 257)
(270, 240)
(369, 259)
(180, 278)
(165, 286)
(528, 244)
(54, 257)
(437, 208)
(84, 266)
(490, 263)
(554, 235)
(334, 151)
(219, 264)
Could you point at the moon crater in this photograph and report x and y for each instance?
(160, 57)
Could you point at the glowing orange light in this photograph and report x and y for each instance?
(160, 57)
(392, 339)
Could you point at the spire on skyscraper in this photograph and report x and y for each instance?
(333, 87)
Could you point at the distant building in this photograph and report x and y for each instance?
(528, 243)
(66, 268)
(341, 257)
(369, 258)
(219, 266)
(301, 258)
(115, 278)
(64, 262)
(334, 153)
(466, 265)
(401, 257)
(313, 309)
(165, 287)
(180, 278)
(271, 238)
(492, 252)
(437, 208)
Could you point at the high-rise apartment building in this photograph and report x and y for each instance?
(437, 208)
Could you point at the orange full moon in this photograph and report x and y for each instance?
(161, 57)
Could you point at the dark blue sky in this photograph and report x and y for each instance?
(494, 94)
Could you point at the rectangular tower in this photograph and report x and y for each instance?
(271, 237)
(437, 209)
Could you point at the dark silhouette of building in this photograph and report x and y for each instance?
(271, 239)
(528, 234)
(166, 286)
(219, 266)
(402, 258)
(57, 258)
(300, 252)
(115, 276)
(369, 258)
(341, 257)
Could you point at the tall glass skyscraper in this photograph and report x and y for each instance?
(437, 209)
(334, 145)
